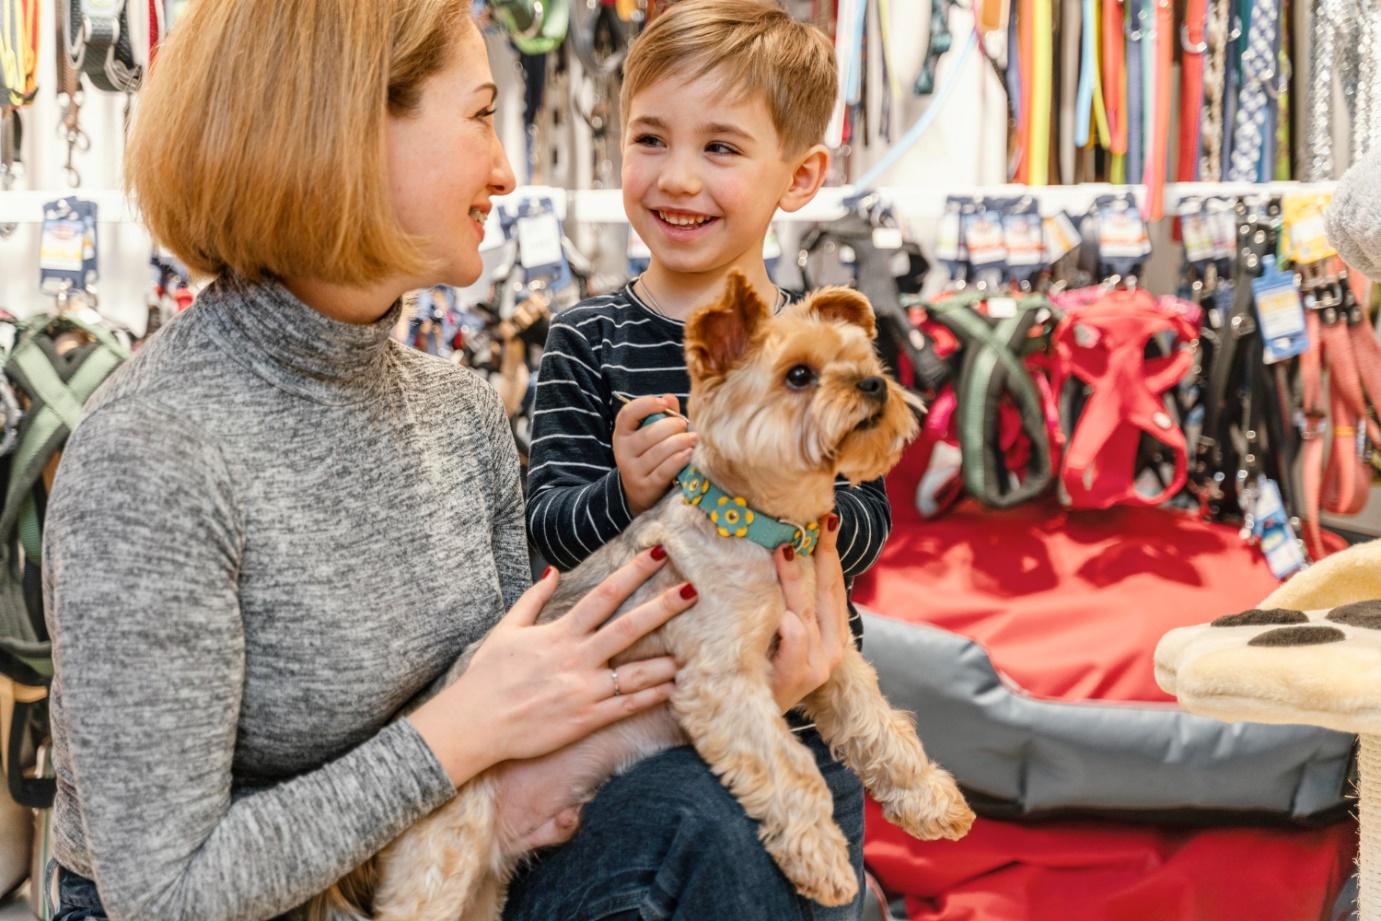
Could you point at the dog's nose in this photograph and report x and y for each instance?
(875, 388)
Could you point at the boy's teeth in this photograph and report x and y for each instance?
(682, 220)
(478, 215)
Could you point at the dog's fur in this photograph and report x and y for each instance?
(781, 449)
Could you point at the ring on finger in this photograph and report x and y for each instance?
(614, 677)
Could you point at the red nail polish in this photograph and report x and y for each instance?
(659, 553)
(688, 591)
(833, 523)
(546, 572)
(789, 552)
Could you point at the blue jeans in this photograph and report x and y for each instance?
(667, 841)
(77, 897)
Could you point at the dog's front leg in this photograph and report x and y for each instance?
(880, 744)
(730, 716)
(447, 866)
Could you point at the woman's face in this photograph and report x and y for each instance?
(445, 162)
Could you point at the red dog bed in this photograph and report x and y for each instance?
(1070, 606)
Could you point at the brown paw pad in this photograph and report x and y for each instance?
(1364, 614)
(1299, 636)
(1258, 617)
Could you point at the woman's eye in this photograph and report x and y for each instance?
(487, 113)
(800, 377)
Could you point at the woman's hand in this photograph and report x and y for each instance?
(815, 628)
(533, 688)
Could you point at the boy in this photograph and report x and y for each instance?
(725, 102)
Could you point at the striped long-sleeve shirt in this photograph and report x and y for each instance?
(599, 351)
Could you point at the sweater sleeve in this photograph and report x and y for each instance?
(576, 502)
(865, 521)
(509, 536)
(141, 564)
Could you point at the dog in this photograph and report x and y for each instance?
(783, 404)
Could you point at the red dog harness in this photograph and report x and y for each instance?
(1103, 344)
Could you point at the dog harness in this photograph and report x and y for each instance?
(1004, 417)
(1103, 345)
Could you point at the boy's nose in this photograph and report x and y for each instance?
(678, 178)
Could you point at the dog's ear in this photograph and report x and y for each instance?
(720, 335)
(845, 305)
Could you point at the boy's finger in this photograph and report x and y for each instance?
(635, 411)
(665, 472)
(529, 605)
(645, 439)
(675, 444)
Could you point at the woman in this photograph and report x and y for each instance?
(274, 527)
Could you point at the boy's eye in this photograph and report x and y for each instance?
(647, 140)
(718, 148)
(800, 377)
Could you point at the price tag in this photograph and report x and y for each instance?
(1198, 236)
(539, 242)
(1001, 308)
(1279, 314)
(67, 246)
(1122, 238)
(887, 238)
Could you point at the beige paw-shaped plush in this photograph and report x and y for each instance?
(1280, 665)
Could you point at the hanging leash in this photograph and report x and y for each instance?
(1258, 76)
(1136, 95)
(1215, 88)
(18, 52)
(1161, 56)
(99, 44)
(1115, 86)
(1194, 47)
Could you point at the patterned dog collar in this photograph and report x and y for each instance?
(733, 517)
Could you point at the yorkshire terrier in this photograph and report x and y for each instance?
(818, 405)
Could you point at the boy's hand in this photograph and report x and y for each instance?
(649, 458)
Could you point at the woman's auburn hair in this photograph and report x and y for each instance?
(259, 142)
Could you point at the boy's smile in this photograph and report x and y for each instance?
(703, 175)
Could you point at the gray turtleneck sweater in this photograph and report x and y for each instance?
(270, 531)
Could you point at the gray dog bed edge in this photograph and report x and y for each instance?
(1018, 757)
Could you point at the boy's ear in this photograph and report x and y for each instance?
(812, 168)
(845, 305)
(720, 335)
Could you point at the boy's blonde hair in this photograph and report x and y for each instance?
(259, 143)
(754, 48)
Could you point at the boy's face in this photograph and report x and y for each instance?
(703, 174)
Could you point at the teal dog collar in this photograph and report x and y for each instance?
(734, 518)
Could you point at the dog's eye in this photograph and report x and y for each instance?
(800, 377)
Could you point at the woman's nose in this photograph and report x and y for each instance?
(501, 178)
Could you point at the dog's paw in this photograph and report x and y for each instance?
(817, 863)
(935, 809)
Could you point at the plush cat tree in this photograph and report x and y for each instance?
(1310, 654)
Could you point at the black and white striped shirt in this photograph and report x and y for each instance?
(616, 346)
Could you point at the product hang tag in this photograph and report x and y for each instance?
(1123, 242)
(1279, 313)
(539, 239)
(1272, 527)
(67, 248)
(1194, 228)
(1306, 235)
(1060, 237)
(949, 241)
(1222, 229)
(1025, 239)
(984, 238)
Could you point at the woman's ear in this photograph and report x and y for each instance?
(807, 177)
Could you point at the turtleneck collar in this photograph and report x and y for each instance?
(295, 347)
